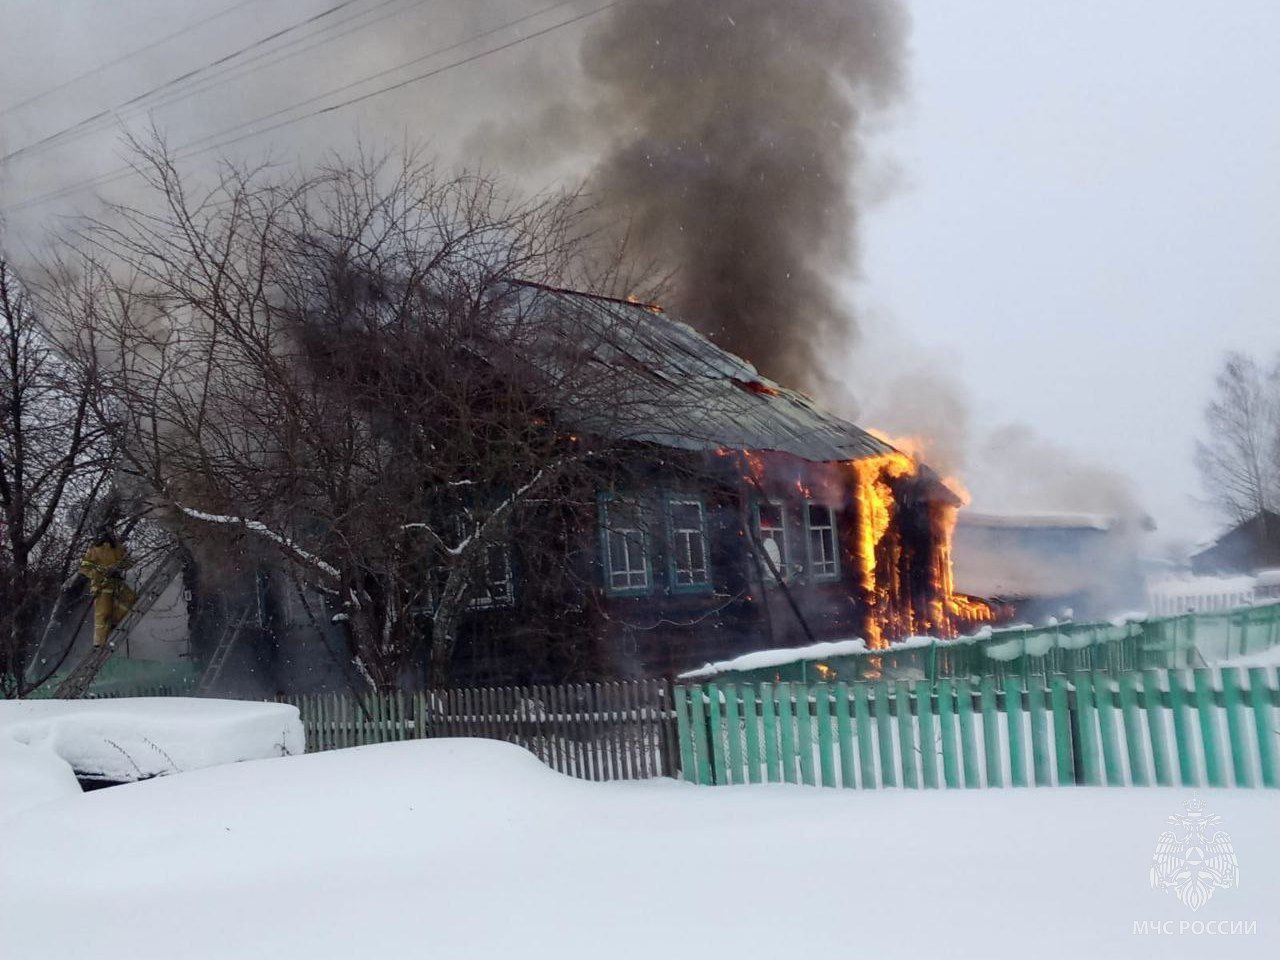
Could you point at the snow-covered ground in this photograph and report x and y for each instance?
(43, 741)
(472, 849)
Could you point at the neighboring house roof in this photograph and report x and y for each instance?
(686, 392)
(1039, 521)
(1029, 555)
(1248, 546)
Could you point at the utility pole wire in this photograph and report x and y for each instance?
(231, 71)
(111, 112)
(186, 153)
(101, 68)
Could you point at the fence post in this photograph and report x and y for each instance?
(1259, 698)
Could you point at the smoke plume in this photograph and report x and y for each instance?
(729, 135)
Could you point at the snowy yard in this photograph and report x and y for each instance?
(469, 848)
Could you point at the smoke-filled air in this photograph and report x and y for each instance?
(728, 135)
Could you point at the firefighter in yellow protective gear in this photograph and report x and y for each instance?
(104, 564)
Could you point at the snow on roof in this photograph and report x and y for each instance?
(1065, 521)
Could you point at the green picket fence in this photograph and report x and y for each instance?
(1187, 641)
(1166, 727)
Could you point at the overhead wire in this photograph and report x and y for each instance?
(195, 148)
(125, 57)
(111, 112)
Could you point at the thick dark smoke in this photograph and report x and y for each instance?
(732, 141)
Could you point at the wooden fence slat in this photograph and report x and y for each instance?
(769, 725)
(884, 735)
(751, 720)
(1210, 743)
(804, 732)
(1156, 728)
(822, 717)
(1086, 719)
(1041, 756)
(702, 745)
(628, 716)
(1013, 726)
(598, 755)
(990, 732)
(668, 727)
(600, 712)
(1104, 699)
(1235, 726)
(862, 729)
(928, 737)
(688, 767)
(844, 736)
(907, 765)
(787, 755)
(968, 740)
(1132, 731)
(1062, 740)
(616, 719)
(1182, 729)
(1260, 700)
(715, 730)
(733, 733)
(947, 731)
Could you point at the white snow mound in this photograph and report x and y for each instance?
(130, 739)
(472, 849)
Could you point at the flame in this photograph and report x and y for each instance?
(876, 507)
(905, 583)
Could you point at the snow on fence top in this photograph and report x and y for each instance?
(1131, 642)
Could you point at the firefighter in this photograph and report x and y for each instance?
(104, 564)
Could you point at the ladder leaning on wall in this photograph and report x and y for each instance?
(230, 633)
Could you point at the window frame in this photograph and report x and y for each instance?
(603, 501)
(785, 552)
(671, 499)
(486, 600)
(809, 529)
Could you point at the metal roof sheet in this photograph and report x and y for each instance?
(691, 394)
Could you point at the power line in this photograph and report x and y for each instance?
(101, 68)
(382, 73)
(187, 152)
(273, 57)
(110, 112)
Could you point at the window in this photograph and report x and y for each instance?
(626, 558)
(492, 586)
(688, 544)
(772, 531)
(823, 561)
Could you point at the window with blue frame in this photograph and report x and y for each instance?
(824, 561)
(624, 546)
(687, 535)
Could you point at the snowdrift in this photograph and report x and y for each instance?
(472, 849)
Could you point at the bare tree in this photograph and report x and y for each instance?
(1239, 460)
(357, 369)
(56, 459)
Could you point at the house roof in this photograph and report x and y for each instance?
(686, 392)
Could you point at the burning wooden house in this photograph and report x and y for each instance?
(739, 516)
(722, 513)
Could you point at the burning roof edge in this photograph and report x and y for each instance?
(718, 399)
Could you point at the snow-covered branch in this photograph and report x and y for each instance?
(262, 530)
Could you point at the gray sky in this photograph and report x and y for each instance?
(1088, 215)
(1076, 212)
